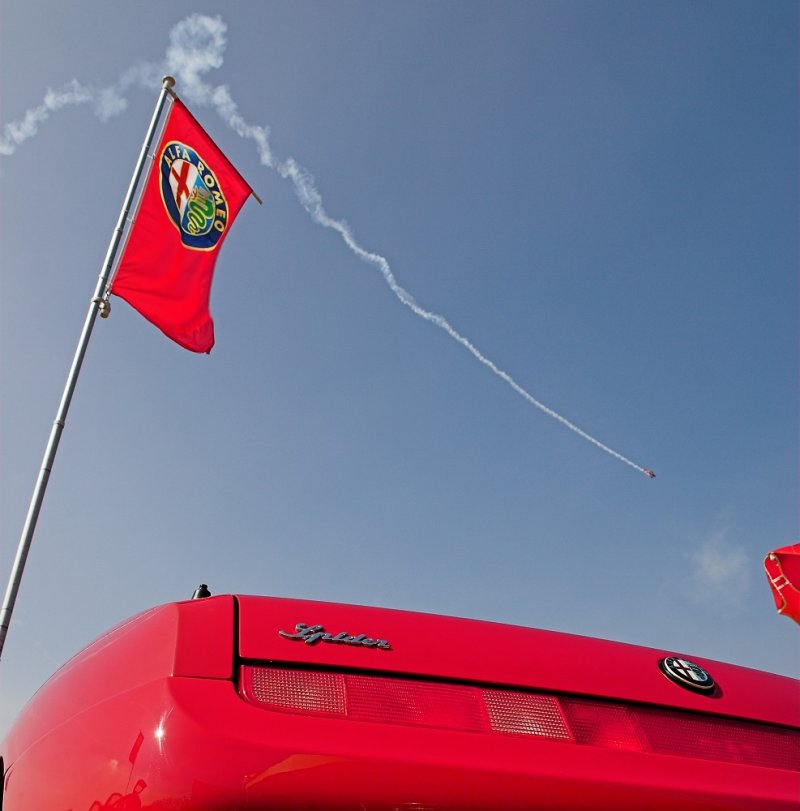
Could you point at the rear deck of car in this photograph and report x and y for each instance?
(259, 702)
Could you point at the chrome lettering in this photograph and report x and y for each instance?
(311, 634)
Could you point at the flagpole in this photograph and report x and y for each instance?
(99, 304)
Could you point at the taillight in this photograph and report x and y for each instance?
(611, 726)
(404, 701)
(466, 708)
(512, 713)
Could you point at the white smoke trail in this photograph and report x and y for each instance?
(312, 202)
(106, 103)
(17, 132)
(197, 45)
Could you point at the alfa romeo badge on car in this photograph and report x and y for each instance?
(687, 674)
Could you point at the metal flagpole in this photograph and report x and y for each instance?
(99, 304)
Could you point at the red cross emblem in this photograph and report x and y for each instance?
(180, 180)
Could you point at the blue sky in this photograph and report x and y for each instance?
(601, 197)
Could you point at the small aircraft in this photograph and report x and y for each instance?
(649, 473)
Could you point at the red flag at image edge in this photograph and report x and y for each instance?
(191, 196)
(783, 572)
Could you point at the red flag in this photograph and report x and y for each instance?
(783, 572)
(191, 197)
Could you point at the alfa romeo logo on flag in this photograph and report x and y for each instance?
(192, 197)
(194, 190)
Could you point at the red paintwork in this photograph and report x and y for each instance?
(149, 716)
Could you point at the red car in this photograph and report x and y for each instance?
(237, 702)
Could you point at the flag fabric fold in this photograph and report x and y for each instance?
(191, 197)
(783, 572)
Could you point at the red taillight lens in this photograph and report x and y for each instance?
(400, 701)
(608, 725)
(720, 739)
(388, 700)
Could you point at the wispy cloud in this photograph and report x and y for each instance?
(720, 570)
